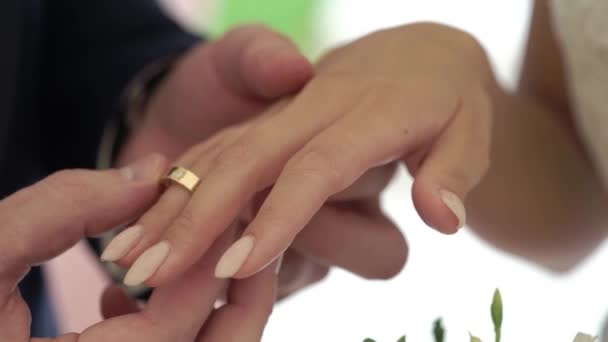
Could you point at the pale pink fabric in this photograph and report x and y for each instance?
(76, 282)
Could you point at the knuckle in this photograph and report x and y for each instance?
(184, 224)
(384, 91)
(317, 165)
(390, 269)
(249, 154)
(236, 155)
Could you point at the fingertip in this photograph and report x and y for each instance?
(147, 169)
(295, 68)
(280, 73)
(399, 255)
(440, 209)
(233, 259)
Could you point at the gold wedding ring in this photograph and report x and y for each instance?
(183, 177)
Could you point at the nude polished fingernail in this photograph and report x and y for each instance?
(454, 203)
(147, 264)
(234, 258)
(122, 243)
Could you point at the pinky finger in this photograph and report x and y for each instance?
(454, 166)
(250, 303)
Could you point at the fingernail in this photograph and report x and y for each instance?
(455, 204)
(278, 265)
(146, 168)
(147, 264)
(234, 257)
(122, 243)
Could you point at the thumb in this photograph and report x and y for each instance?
(45, 219)
(255, 61)
(218, 84)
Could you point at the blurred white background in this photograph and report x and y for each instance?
(452, 277)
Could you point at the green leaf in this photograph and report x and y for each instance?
(438, 330)
(496, 310)
(402, 339)
(369, 340)
(473, 338)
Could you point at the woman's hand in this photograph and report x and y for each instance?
(231, 80)
(44, 220)
(417, 94)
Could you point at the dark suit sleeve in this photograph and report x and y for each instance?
(94, 48)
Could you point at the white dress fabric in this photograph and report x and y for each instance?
(582, 31)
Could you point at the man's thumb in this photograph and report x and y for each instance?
(45, 219)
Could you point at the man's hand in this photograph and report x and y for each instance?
(215, 85)
(44, 220)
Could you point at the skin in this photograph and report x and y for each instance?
(550, 218)
(230, 81)
(547, 217)
(386, 112)
(470, 118)
(238, 75)
(44, 220)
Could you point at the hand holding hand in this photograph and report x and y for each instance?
(49, 217)
(423, 100)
